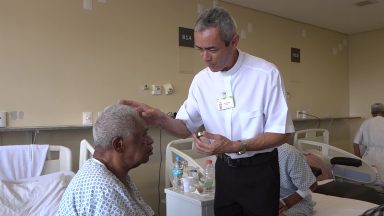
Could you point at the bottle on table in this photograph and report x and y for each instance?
(177, 173)
(209, 177)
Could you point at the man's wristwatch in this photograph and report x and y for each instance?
(243, 148)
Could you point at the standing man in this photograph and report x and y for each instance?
(240, 101)
(371, 136)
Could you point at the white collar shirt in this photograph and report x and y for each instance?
(371, 135)
(259, 98)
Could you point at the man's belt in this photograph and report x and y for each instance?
(258, 158)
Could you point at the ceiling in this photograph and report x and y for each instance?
(343, 16)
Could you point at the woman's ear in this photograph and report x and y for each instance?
(117, 144)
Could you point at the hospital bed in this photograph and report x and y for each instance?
(37, 194)
(360, 172)
(353, 177)
(326, 205)
(318, 141)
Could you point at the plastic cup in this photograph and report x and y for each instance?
(187, 183)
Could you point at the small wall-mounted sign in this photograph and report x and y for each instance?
(295, 55)
(186, 37)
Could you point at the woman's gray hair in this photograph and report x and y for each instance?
(116, 120)
(217, 17)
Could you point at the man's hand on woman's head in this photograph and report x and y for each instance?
(151, 115)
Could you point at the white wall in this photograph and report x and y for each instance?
(58, 60)
(366, 71)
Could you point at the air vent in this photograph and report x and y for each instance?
(365, 3)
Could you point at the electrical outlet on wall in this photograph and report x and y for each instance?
(13, 115)
(145, 87)
(168, 88)
(156, 89)
(87, 118)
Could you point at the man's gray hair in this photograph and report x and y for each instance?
(377, 108)
(217, 17)
(116, 120)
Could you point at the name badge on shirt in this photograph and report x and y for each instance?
(225, 103)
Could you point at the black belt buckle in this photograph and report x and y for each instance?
(229, 161)
(248, 161)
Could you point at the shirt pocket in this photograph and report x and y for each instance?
(252, 123)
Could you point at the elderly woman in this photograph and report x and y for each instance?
(102, 186)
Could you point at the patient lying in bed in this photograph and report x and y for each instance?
(296, 182)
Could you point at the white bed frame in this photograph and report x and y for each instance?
(186, 150)
(86, 151)
(39, 195)
(313, 134)
(365, 173)
(62, 163)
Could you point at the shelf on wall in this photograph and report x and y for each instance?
(36, 129)
(45, 128)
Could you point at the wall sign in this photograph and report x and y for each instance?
(295, 55)
(186, 38)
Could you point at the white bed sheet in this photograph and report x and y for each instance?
(33, 196)
(334, 206)
(26, 161)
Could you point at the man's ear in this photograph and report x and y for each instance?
(235, 40)
(117, 144)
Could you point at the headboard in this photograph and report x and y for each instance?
(364, 174)
(59, 158)
(86, 151)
